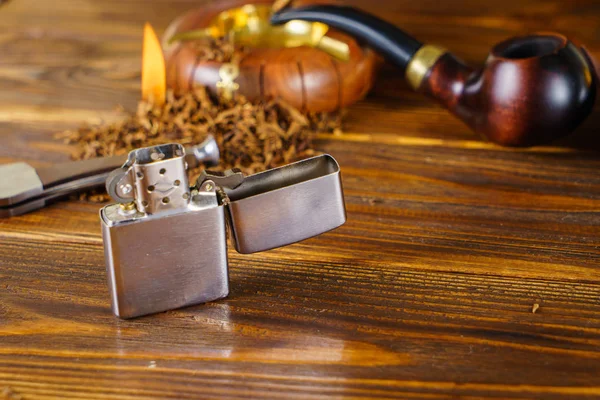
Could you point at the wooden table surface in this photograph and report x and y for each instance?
(426, 292)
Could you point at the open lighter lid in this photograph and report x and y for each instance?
(287, 204)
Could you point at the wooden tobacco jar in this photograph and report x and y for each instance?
(307, 64)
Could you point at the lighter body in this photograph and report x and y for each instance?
(158, 263)
(165, 242)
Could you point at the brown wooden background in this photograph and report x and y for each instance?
(426, 292)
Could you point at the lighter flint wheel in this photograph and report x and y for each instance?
(112, 181)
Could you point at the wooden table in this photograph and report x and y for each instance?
(426, 292)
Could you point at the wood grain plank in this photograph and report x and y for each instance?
(426, 292)
(391, 323)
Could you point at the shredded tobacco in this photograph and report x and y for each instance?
(220, 49)
(252, 137)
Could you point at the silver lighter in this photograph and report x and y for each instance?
(165, 242)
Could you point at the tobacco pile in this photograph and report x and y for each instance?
(252, 137)
(218, 49)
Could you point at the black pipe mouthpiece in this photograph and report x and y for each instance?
(393, 43)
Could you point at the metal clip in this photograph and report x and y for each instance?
(227, 85)
(229, 179)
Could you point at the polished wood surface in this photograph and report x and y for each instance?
(426, 292)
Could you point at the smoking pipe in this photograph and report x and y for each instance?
(531, 90)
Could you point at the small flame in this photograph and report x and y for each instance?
(153, 68)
